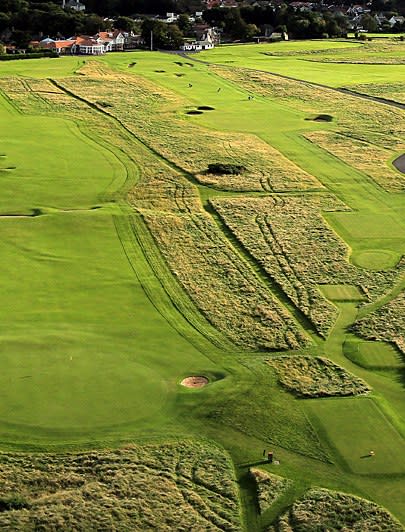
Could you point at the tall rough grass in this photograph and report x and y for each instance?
(174, 486)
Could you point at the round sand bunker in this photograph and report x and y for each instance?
(197, 381)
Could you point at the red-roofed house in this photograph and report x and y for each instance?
(86, 45)
(59, 46)
(113, 41)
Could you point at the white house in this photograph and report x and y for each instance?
(396, 19)
(205, 43)
(197, 46)
(73, 4)
(87, 46)
(112, 41)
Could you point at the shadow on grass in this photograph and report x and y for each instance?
(252, 464)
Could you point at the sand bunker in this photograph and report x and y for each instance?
(399, 163)
(194, 112)
(196, 381)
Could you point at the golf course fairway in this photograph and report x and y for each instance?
(130, 262)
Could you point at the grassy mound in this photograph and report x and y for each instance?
(177, 486)
(321, 509)
(269, 487)
(316, 377)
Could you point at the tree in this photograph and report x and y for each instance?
(184, 23)
(4, 21)
(175, 37)
(235, 26)
(369, 23)
(126, 24)
(251, 32)
(92, 24)
(165, 36)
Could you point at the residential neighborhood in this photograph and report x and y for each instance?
(86, 27)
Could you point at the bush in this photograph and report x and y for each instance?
(13, 502)
(225, 168)
(12, 57)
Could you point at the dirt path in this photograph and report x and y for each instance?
(399, 163)
(349, 92)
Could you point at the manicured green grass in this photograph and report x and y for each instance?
(356, 426)
(296, 66)
(373, 355)
(341, 292)
(40, 68)
(81, 343)
(81, 339)
(44, 173)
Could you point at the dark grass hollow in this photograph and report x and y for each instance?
(206, 108)
(399, 163)
(194, 112)
(323, 118)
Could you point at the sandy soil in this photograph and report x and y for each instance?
(195, 381)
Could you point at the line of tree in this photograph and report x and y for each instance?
(244, 23)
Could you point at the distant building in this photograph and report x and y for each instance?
(61, 47)
(85, 45)
(396, 20)
(73, 4)
(206, 41)
(113, 41)
(102, 42)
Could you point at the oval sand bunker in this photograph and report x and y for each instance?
(195, 381)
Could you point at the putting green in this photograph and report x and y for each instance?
(342, 292)
(375, 259)
(356, 426)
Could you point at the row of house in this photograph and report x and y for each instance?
(102, 42)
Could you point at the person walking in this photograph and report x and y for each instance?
(270, 457)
